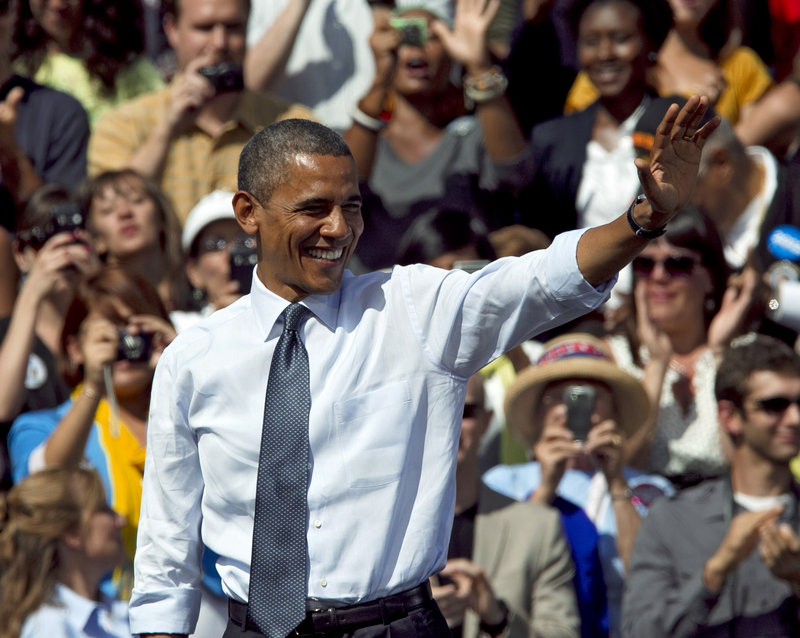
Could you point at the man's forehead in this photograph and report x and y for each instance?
(760, 382)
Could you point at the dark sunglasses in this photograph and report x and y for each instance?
(680, 266)
(775, 406)
(472, 410)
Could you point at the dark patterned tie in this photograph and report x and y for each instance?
(277, 597)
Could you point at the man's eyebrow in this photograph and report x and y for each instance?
(324, 201)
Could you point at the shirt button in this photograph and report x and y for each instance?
(310, 465)
(318, 523)
(323, 582)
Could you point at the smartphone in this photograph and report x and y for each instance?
(242, 259)
(414, 31)
(579, 400)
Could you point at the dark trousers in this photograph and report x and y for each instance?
(424, 622)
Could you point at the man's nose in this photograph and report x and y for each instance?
(335, 224)
(219, 37)
(792, 415)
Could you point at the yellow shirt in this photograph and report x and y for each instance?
(196, 163)
(746, 77)
(69, 74)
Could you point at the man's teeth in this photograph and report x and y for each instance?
(322, 253)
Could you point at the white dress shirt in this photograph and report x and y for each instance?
(389, 357)
(70, 615)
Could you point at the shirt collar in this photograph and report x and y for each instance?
(267, 306)
(81, 609)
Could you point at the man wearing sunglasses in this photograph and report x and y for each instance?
(723, 558)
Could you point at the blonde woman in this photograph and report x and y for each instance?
(58, 539)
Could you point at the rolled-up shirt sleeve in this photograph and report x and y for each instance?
(166, 595)
(469, 319)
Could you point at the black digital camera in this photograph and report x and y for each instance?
(242, 259)
(134, 347)
(224, 77)
(64, 218)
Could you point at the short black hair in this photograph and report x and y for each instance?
(749, 354)
(264, 161)
(656, 17)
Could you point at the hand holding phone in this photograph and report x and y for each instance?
(579, 400)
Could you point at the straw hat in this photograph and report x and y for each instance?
(573, 356)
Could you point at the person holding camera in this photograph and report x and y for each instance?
(187, 137)
(573, 410)
(52, 251)
(413, 142)
(219, 258)
(114, 331)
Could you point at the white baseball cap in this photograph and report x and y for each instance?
(214, 206)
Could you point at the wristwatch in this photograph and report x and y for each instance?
(499, 628)
(640, 231)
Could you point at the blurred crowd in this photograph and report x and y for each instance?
(480, 129)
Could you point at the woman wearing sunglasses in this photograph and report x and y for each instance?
(684, 311)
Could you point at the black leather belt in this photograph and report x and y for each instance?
(335, 619)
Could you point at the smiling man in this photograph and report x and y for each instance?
(330, 500)
(723, 558)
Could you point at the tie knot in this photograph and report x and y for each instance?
(293, 315)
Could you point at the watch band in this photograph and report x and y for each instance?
(641, 231)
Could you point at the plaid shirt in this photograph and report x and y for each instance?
(196, 163)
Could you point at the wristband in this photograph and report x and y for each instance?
(94, 395)
(367, 121)
(497, 628)
(485, 87)
(638, 230)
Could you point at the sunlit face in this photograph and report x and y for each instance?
(675, 288)
(102, 539)
(421, 69)
(214, 29)
(771, 434)
(210, 270)
(59, 19)
(125, 221)
(690, 13)
(309, 227)
(612, 48)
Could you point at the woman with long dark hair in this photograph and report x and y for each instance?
(91, 49)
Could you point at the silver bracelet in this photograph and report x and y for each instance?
(484, 87)
(367, 121)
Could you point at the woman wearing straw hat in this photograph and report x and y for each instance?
(573, 411)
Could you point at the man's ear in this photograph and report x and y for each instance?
(730, 417)
(244, 208)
